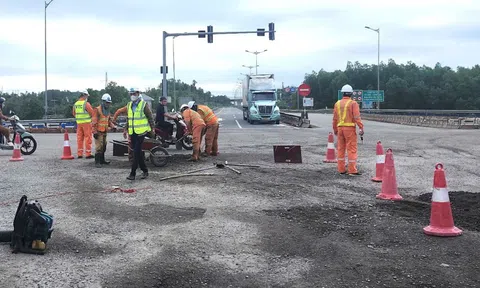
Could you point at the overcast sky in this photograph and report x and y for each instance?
(124, 38)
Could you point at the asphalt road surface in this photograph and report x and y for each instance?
(280, 225)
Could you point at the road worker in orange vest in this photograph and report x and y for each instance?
(211, 131)
(101, 121)
(196, 126)
(346, 115)
(83, 111)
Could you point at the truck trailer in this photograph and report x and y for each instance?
(260, 99)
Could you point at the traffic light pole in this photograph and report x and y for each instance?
(200, 34)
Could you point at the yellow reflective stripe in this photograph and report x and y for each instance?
(343, 114)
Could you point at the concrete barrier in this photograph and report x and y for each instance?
(426, 121)
(294, 120)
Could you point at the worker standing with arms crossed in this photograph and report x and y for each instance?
(83, 112)
(101, 121)
(346, 115)
(139, 123)
(211, 132)
(196, 126)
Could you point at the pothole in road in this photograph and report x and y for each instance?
(465, 209)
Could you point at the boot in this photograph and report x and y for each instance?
(97, 160)
(102, 160)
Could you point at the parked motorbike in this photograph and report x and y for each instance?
(183, 138)
(28, 143)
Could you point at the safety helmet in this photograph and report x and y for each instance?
(2, 100)
(133, 90)
(84, 92)
(183, 107)
(190, 104)
(107, 98)
(347, 89)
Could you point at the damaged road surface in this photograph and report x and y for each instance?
(272, 225)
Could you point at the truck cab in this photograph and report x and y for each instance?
(260, 99)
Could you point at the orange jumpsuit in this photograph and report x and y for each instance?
(346, 115)
(84, 132)
(211, 133)
(196, 125)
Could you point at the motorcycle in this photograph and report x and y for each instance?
(183, 137)
(28, 143)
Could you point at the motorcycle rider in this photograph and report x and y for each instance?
(211, 132)
(162, 117)
(101, 121)
(4, 130)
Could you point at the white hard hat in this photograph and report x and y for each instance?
(133, 90)
(84, 92)
(190, 104)
(107, 98)
(347, 89)
(183, 107)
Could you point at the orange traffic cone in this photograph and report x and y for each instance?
(67, 151)
(330, 157)
(16, 156)
(441, 219)
(380, 163)
(389, 181)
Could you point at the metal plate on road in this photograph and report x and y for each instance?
(287, 154)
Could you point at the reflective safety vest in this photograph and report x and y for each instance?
(342, 114)
(137, 122)
(102, 122)
(81, 113)
(207, 114)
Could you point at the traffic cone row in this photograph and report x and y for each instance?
(441, 218)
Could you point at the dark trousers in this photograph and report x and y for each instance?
(166, 126)
(138, 157)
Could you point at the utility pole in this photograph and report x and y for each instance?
(378, 64)
(174, 79)
(202, 34)
(256, 58)
(46, 96)
(106, 79)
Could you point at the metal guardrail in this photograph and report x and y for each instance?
(407, 112)
(294, 120)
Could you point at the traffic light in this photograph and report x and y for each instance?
(260, 32)
(271, 31)
(201, 33)
(210, 36)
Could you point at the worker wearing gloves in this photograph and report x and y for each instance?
(346, 115)
(211, 131)
(83, 112)
(4, 130)
(101, 121)
(140, 123)
(196, 126)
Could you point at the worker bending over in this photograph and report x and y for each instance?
(196, 126)
(4, 130)
(346, 115)
(101, 121)
(211, 132)
(83, 112)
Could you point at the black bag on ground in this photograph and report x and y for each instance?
(32, 227)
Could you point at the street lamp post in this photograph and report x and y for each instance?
(174, 79)
(249, 67)
(46, 98)
(256, 58)
(378, 64)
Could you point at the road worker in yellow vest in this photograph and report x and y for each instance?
(211, 131)
(101, 122)
(346, 115)
(83, 112)
(140, 123)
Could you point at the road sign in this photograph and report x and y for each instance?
(357, 95)
(304, 90)
(293, 89)
(372, 95)
(307, 102)
(287, 90)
